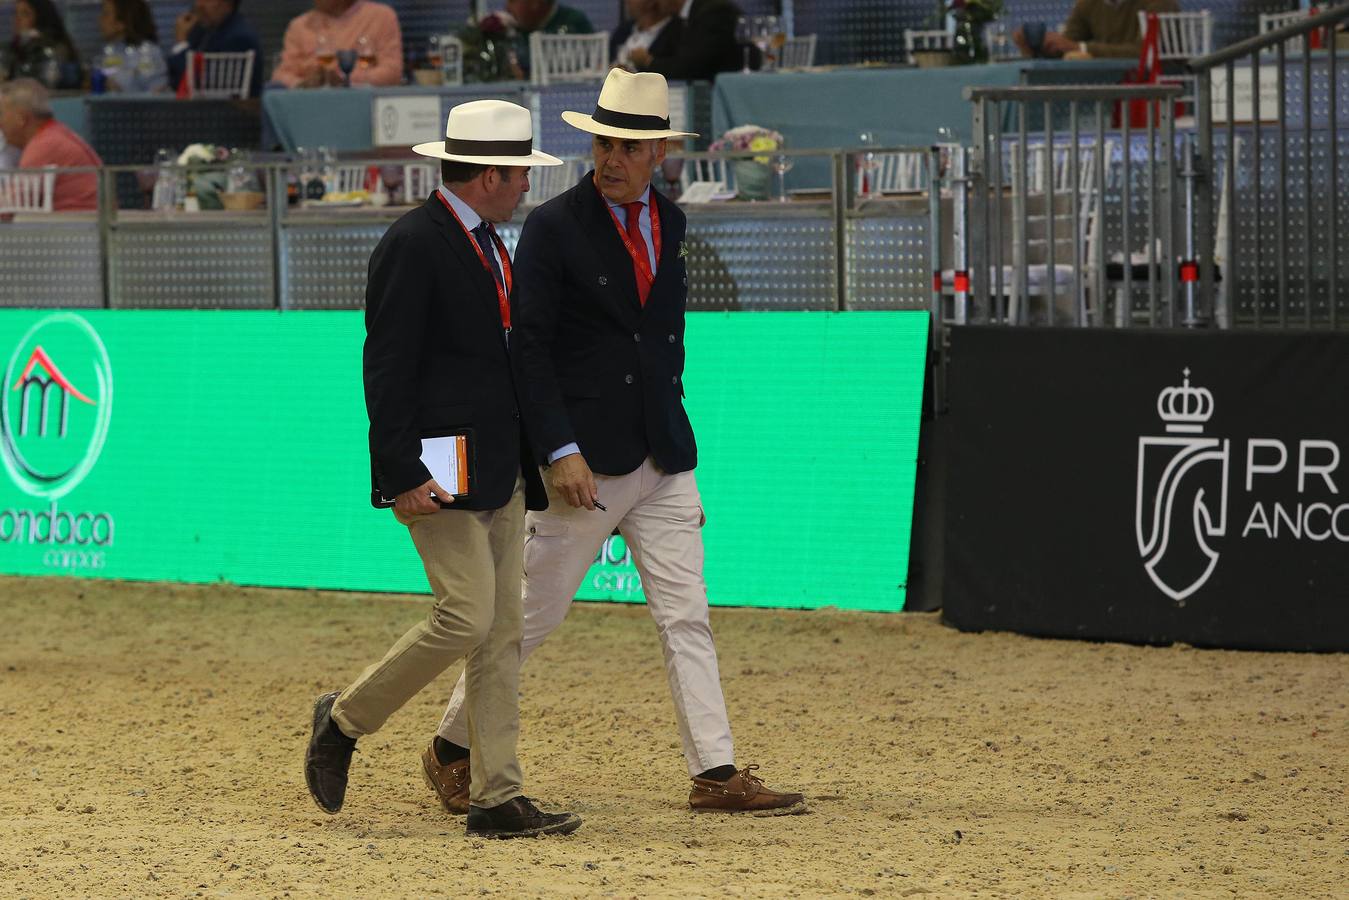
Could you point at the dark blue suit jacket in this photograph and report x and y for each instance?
(234, 35)
(599, 368)
(435, 358)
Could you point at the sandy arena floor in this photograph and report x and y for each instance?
(153, 737)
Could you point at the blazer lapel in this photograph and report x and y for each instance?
(598, 225)
(481, 283)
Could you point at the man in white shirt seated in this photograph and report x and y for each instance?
(648, 24)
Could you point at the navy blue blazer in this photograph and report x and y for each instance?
(435, 358)
(599, 368)
(234, 35)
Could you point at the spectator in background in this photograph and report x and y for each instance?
(648, 27)
(547, 17)
(706, 45)
(313, 39)
(41, 48)
(214, 26)
(1096, 28)
(26, 121)
(132, 61)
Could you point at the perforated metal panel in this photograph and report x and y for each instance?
(50, 263)
(324, 266)
(181, 263)
(887, 262)
(761, 258)
(547, 105)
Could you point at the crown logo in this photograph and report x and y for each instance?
(1185, 409)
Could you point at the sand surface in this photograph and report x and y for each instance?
(153, 737)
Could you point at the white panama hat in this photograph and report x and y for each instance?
(489, 133)
(631, 106)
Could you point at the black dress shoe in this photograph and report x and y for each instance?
(327, 758)
(518, 817)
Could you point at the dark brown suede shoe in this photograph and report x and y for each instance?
(518, 817)
(449, 782)
(744, 792)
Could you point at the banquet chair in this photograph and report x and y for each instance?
(546, 182)
(220, 76)
(419, 180)
(558, 58)
(26, 192)
(915, 40)
(798, 52)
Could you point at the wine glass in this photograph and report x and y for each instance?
(867, 164)
(393, 181)
(766, 29)
(346, 61)
(781, 163)
(744, 36)
(324, 54)
(434, 54)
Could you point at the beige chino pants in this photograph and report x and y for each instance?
(660, 518)
(473, 563)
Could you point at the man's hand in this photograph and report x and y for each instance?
(1055, 44)
(183, 26)
(640, 56)
(318, 76)
(420, 501)
(572, 478)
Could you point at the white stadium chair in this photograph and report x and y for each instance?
(926, 40)
(26, 192)
(452, 52)
(798, 52)
(555, 58)
(220, 76)
(546, 182)
(1181, 35)
(419, 180)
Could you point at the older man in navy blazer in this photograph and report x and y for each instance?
(601, 339)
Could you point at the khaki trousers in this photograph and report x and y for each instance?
(473, 562)
(660, 518)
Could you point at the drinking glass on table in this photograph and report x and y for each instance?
(867, 164)
(365, 52)
(346, 61)
(324, 54)
(781, 164)
(765, 30)
(435, 55)
(744, 36)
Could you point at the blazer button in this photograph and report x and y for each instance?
(603, 281)
(671, 338)
(674, 379)
(628, 379)
(637, 338)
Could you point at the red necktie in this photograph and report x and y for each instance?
(635, 235)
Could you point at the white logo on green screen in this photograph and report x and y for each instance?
(56, 406)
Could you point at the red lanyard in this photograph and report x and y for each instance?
(503, 296)
(641, 263)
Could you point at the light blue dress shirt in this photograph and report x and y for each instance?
(470, 219)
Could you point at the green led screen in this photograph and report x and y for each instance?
(228, 445)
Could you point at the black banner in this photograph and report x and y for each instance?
(1149, 486)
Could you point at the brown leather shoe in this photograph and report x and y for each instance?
(744, 792)
(449, 782)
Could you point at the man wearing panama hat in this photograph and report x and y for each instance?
(437, 362)
(600, 333)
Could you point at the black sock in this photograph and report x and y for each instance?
(720, 773)
(447, 752)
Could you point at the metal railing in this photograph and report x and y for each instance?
(835, 249)
(1055, 217)
(1263, 283)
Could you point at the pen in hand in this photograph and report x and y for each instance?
(600, 506)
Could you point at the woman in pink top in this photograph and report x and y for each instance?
(26, 121)
(312, 40)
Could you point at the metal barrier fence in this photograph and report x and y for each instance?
(1067, 210)
(835, 248)
(1284, 188)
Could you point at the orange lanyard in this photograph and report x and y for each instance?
(641, 263)
(503, 296)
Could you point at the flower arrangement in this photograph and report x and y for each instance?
(970, 18)
(197, 154)
(748, 137)
(978, 12)
(205, 178)
(488, 41)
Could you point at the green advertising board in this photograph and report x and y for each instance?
(228, 445)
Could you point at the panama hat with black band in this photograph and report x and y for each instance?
(488, 133)
(632, 107)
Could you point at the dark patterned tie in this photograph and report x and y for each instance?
(483, 235)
